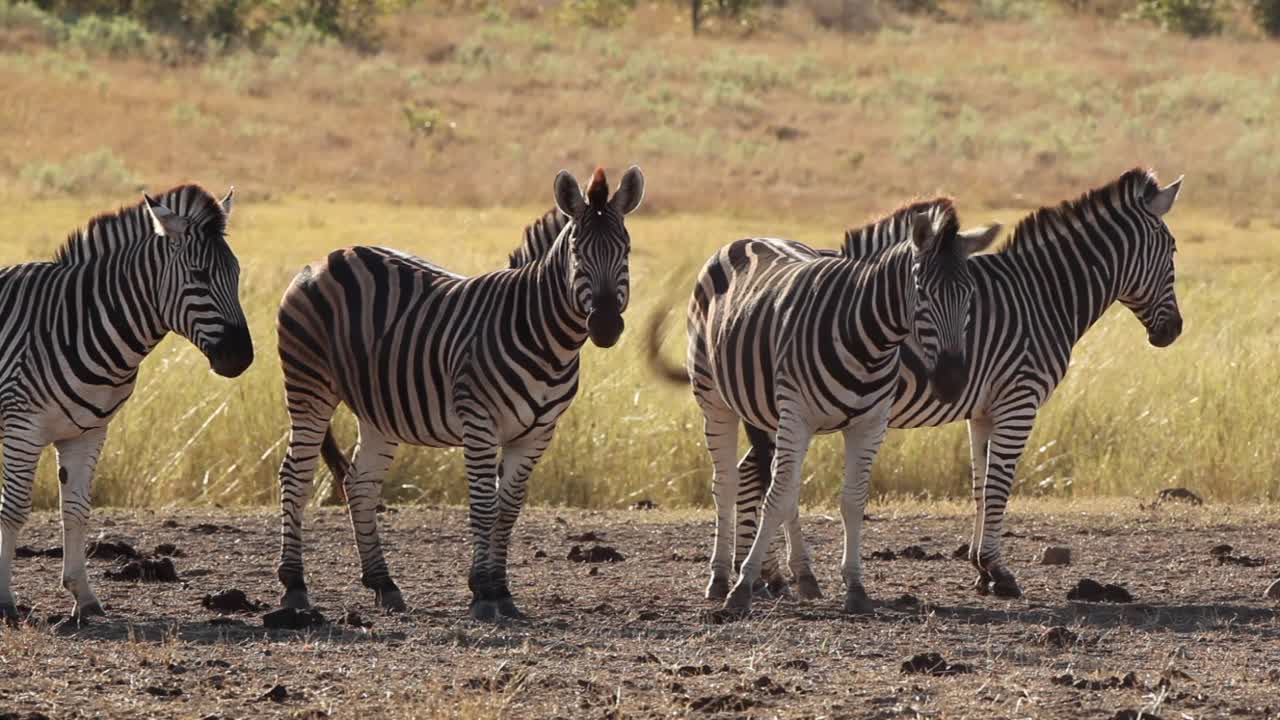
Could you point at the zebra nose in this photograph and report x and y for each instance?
(233, 353)
(1166, 332)
(949, 376)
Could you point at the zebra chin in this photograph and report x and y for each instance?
(605, 328)
(1165, 333)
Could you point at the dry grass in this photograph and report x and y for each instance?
(1128, 420)
(789, 118)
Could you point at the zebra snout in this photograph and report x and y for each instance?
(949, 376)
(232, 354)
(1166, 332)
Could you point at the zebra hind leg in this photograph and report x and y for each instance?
(308, 430)
(362, 485)
(20, 460)
(754, 466)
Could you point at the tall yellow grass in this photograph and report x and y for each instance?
(1129, 419)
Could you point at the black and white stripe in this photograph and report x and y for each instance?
(73, 332)
(793, 343)
(1033, 300)
(426, 357)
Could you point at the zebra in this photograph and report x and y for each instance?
(1035, 298)
(792, 342)
(427, 357)
(74, 332)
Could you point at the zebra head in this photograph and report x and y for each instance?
(599, 245)
(1148, 289)
(943, 288)
(199, 284)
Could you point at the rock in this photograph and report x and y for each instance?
(1092, 591)
(293, 619)
(277, 693)
(933, 664)
(797, 664)
(1055, 555)
(961, 553)
(597, 554)
(26, 551)
(168, 549)
(111, 550)
(1220, 550)
(231, 601)
(161, 570)
(355, 620)
(1180, 495)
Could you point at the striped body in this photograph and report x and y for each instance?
(793, 343)
(426, 357)
(1033, 300)
(73, 333)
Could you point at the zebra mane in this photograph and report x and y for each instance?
(539, 236)
(110, 231)
(1125, 192)
(870, 239)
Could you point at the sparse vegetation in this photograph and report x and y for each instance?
(1196, 18)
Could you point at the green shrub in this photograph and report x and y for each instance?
(117, 36)
(1196, 18)
(1267, 14)
(28, 17)
(596, 13)
(99, 172)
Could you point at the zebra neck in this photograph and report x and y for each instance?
(551, 311)
(1075, 281)
(108, 319)
(881, 305)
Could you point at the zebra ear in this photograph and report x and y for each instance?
(1161, 201)
(630, 191)
(568, 194)
(923, 234)
(164, 221)
(977, 239)
(225, 202)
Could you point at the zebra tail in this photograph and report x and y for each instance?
(673, 374)
(338, 465)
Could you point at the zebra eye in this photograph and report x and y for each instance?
(201, 276)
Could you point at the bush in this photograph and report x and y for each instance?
(98, 172)
(1196, 18)
(117, 36)
(30, 18)
(1267, 14)
(596, 13)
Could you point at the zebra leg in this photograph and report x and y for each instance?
(861, 443)
(721, 429)
(799, 560)
(306, 433)
(20, 458)
(517, 465)
(480, 451)
(77, 459)
(1007, 444)
(363, 487)
(750, 491)
(979, 447)
(779, 503)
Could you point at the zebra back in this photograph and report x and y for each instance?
(539, 236)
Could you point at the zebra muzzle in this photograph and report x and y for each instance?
(604, 328)
(950, 375)
(1165, 333)
(233, 353)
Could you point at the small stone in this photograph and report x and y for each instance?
(1055, 555)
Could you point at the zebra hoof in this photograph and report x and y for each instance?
(738, 604)
(718, 589)
(856, 601)
(1003, 584)
(982, 584)
(807, 587)
(484, 610)
(391, 601)
(507, 609)
(295, 599)
(9, 614)
(88, 610)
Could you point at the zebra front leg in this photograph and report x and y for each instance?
(979, 447)
(779, 503)
(517, 466)
(480, 451)
(77, 459)
(861, 442)
(363, 487)
(752, 468)
(1007, 444)
(721, 429)
(20, 458)
(799, 560)
(297, 470)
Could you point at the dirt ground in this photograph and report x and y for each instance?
(628, 639)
